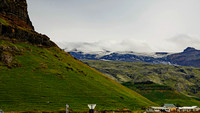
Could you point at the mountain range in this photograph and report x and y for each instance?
(189, 57)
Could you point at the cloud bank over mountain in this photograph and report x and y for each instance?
(183, 41)
(174, 44)
(139, 25)
(124, 45)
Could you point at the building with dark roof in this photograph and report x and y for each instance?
(172, 107)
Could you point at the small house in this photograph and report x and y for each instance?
(172, 107)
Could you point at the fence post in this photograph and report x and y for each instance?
(67, 106)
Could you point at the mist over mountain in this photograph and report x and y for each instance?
(170, 25)
(173, 45)
(188, 57)
(126, 45)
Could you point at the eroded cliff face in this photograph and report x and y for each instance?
(15, 13)
(16, 25)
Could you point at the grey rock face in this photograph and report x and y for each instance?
(6, 57)
(15, 12)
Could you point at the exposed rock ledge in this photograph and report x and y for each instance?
(15, 13)
(15, 33)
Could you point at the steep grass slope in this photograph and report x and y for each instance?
(45, 79)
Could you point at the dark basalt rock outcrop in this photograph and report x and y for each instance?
(16, 34)
(6, 57)
(7, 53)
(18, 26)
(15, 13)
(15, 26)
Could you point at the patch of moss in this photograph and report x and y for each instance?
(4, 22)
(25, 29)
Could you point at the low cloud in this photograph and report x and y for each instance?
(180, 42)
(125, 45)
(175, 44)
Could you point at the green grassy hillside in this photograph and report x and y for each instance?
(45, 79)
(161, 94)
(183, 79)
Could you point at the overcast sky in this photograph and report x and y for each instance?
(138, 25)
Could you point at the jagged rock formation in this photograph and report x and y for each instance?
(6, 58)
(15, 24)
(7, 53)
(15, 13)
(17, 34)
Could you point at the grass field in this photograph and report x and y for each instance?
(183, 79)
(170, 84)
(162, 94)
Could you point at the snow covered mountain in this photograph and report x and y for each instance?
(90, 51)
(127, 56)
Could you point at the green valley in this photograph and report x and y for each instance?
(175, 81)
(162, 94)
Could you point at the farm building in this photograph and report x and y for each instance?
(172, 107)
(157, 109)
(188, 109)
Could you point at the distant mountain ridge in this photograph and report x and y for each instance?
(189, 57)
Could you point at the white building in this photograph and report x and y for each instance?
(157, 109)
(188, 109)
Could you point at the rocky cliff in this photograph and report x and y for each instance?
(15, 13)
(15, 24)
